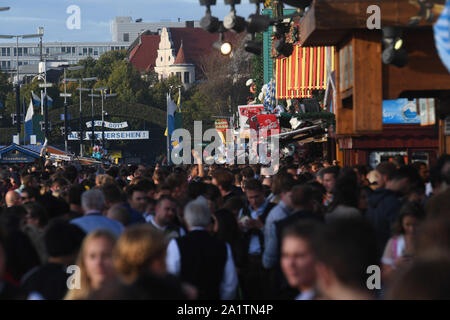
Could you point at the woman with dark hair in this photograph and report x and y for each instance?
(400, 247)
(225, 228)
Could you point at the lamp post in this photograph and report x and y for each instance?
(66, 95)
(104, 96)
(80, 88)
(45, 85)
(17, 82)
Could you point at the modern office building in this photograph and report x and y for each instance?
(124, 29)
(54, 52)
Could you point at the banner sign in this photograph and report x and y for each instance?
(16, 157)
(245, 111)
(112, 135)
(400, 111)
(427, 111)
(221, 124)
(267, 122)
(109, 125)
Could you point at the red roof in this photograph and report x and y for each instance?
(197, 43)
(143, 56)
(180, 56)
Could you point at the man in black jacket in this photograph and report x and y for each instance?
(200, 259)
(385, 203)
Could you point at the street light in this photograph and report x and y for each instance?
(66, 95)
(104, 96)
(80, 80)
(23, 36)
(45, 85)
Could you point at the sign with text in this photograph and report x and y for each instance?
(109, 125)
(267, 122)
(245, 111)
(113, 135)
(221, 124)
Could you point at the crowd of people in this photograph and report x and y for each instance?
(311, 231)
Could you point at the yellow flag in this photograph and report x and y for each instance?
(165, 133)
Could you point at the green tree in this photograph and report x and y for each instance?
(128, 83)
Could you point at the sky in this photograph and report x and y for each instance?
(25, 16)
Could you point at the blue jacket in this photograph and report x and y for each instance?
(382, 213)
(135, 216)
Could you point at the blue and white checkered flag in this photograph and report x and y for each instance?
(442, 35)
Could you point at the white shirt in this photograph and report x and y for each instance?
(306, 295)
(229, 281)
(151, 219)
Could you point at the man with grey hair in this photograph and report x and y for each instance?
(92, 202)
(200, 259)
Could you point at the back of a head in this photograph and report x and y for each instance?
(301, 196)
(196, 189)
(175, 180)
(438, 206)
(386, 168)
(75, 192)
(434, 235)
(426, 279)
(348, 247)
(92, 200)
(136, 249)
(62, 238)
(146, 184)
(119, 213)
(224, 178)
(196, 213)
(248, 173)
(112, 193)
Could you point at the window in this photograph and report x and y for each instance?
(63, 49)
(84, 51)
(25, 51)
(90, 51)
(187, 77)
(4, 52)
(126, 37)
(161, 59)
(73, 50)
(179, 76)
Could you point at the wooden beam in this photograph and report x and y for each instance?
(329, 21)
(344, 116)
(367, 86)
(424, 71)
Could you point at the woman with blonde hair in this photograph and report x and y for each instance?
(95, 263)
(140, 249)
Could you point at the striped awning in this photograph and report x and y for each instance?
(305, 70)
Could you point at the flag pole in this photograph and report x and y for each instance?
(167, 126)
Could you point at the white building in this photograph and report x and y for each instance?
(168, 65)
(124, 29)
(66, 52)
